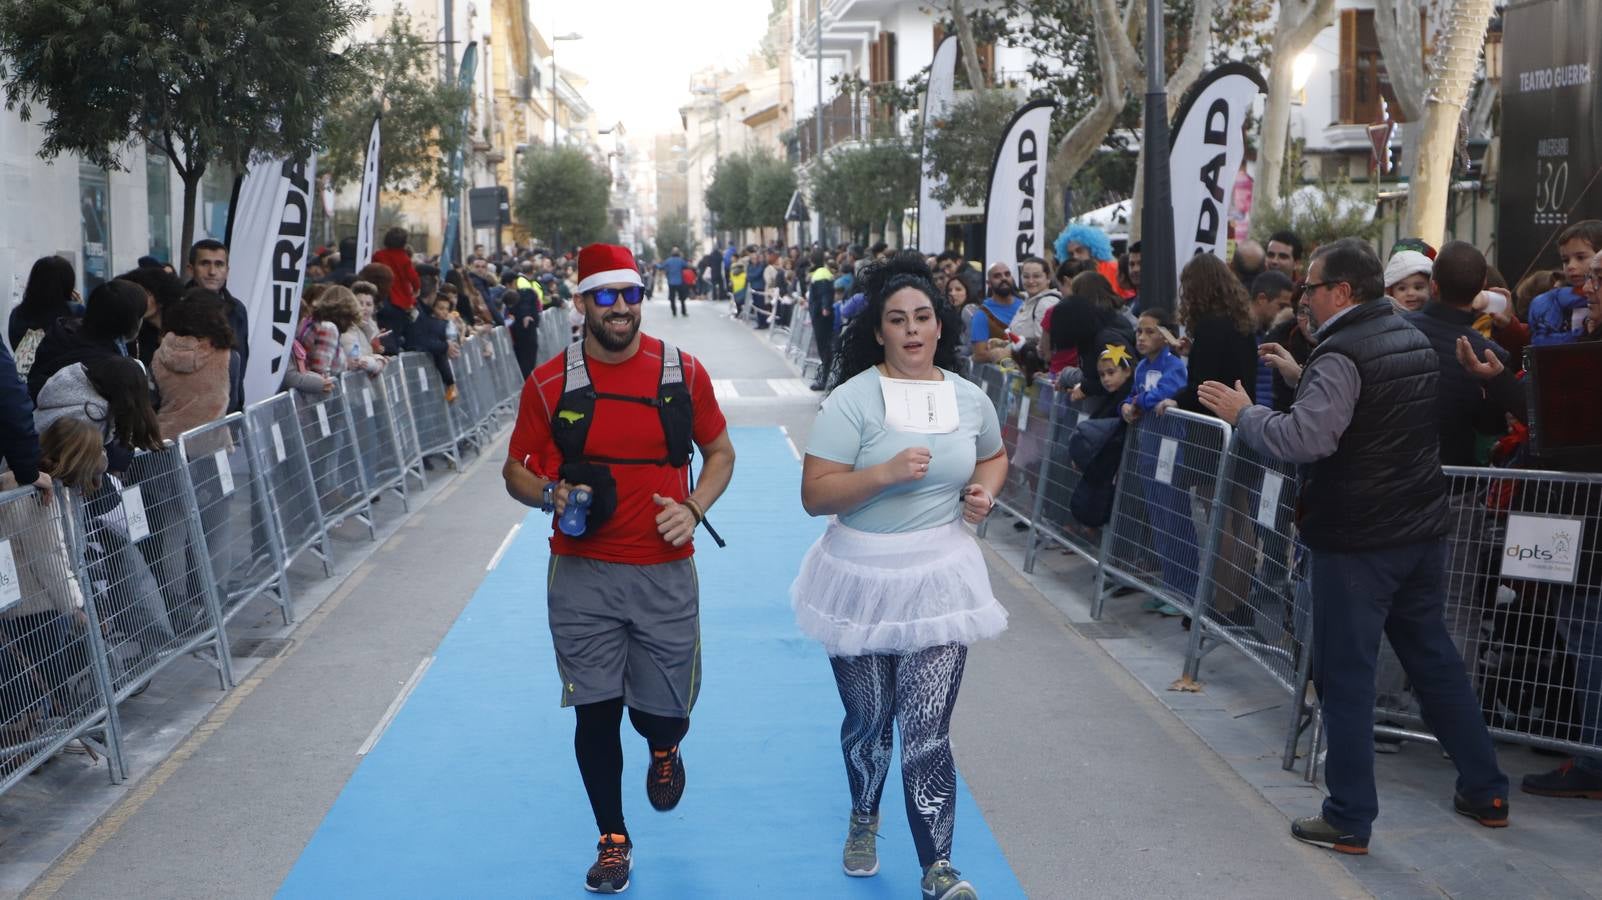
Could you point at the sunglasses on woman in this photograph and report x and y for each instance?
(632, 295)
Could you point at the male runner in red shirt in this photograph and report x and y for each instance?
(615, 416)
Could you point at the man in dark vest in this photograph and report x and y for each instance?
(1373, 513)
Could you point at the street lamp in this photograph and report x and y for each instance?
(570, 36)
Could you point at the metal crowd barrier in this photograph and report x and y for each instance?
(1161, 536)
(436, 429)
(291, 489)
(100, 592)
(1052, 519)
(1524, 605)
(55, 686)
(1203, 522)
(338, 471)
(398, 406)
(243, 539)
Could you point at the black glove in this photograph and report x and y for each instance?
(603, 491)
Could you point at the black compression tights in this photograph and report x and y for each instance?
(600, 753)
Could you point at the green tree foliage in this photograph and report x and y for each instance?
(1323, 212)
(561, 197)
(728, 196)
(861, 187)
(768, 193)
(961, 145)
(672, 230)
(422, 114)
(218, 83)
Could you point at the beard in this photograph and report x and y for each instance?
(610, 342)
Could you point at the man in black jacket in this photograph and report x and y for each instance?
(1373, 512)
(1466, 405)
(208, 268)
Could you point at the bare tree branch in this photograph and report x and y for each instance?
(970, 50)
(1396, 23)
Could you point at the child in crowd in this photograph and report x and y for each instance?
(1407, 280)
(1097, 444)
(367, 298)
(343, 307)
(300, 376)
(1558, 316)
(445, 311)
(1160, 375)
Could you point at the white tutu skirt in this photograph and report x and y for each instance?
(862, 592)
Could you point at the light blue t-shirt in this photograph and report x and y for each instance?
(850, 429)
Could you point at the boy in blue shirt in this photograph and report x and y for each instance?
(1161, 373)
(1557, 316)
(1159, 377)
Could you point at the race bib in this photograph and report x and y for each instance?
(919, 407)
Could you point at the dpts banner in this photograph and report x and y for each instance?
(367, 213)
(1205, 156)
(1015, 207)
(268, 229)
(1551, 170)
(936, 101)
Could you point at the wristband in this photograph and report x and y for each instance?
(548, 497)
(695, 510)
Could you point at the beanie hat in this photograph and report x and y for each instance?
(1404, 263)
(606, 264)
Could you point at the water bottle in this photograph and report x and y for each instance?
(577, 511)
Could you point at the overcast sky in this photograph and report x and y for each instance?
(639, 54)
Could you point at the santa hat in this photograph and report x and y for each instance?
(600, 264)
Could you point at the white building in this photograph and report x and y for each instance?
(102, 221)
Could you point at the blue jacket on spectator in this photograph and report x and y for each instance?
(19, 442)
(1552, 316)
(1157, 380)
(674, 266)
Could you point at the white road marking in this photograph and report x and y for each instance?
(723, 389)
(395, 707)
(501, 550)
(791, 441)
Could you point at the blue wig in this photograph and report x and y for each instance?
(1093, 239)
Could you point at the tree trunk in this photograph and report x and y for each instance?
(1120, 67)
(970, 50)
(1402, 49)
(186, 234)
(1295, 31)
(1443, 113)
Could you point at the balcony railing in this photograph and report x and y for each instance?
(848, 117)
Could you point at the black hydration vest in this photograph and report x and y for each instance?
(575, 411)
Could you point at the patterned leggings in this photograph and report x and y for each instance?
(918, 690)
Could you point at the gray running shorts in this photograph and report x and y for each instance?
(627, 631)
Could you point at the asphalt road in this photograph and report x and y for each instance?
(1092, 787)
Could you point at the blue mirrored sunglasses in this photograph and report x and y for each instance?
(632, 295)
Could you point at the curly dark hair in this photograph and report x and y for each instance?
(199, 314)
(860, 349)
(1208, 289)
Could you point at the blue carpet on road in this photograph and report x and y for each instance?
(473, 791)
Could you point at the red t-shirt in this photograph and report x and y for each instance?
(404, 289)
(621, 430)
